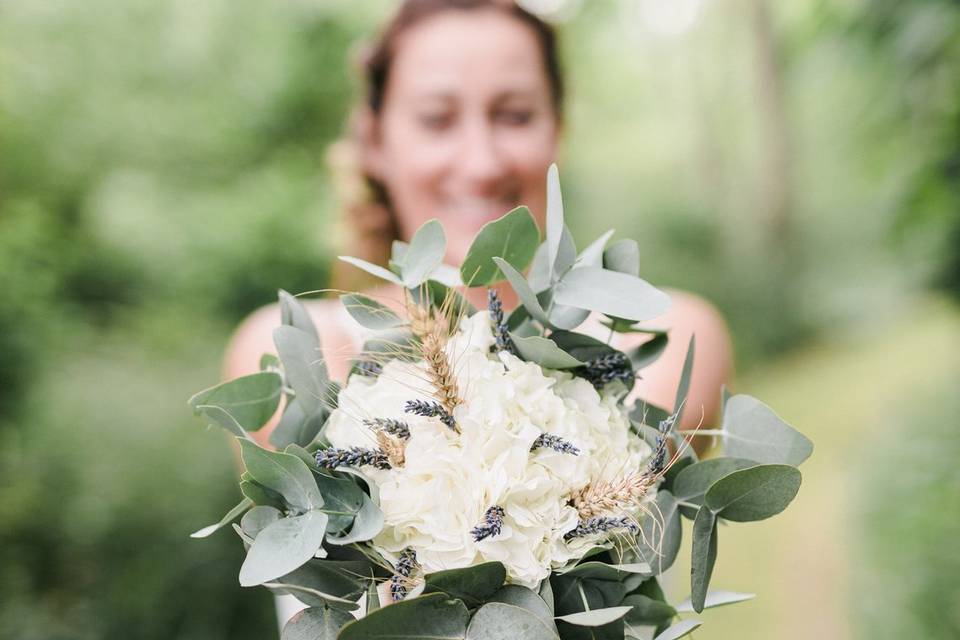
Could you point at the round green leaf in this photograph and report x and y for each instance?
(526, 599)
(497, 620)
(623, 256)
(692, 483)
(424, 254)
(304, 367)
(282, 547)
(294, 314)
(315, 623)
(372, 269)
(662, 530)
(473, 584)
(527, 297)
(249, 400)
(513, 237)
(258, 519)
(645, 611)
(752, 430)
(286, 474)
(432, 616)
(755, 493)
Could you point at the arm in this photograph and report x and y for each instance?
(254, 337)
(712, 361)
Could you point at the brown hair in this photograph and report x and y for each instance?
(367, 215)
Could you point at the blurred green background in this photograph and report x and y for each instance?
(162, 174)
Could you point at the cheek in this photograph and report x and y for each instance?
(530, 155)
(413, 168)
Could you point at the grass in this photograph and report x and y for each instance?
(813, 566)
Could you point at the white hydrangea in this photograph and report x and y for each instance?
(448, 480)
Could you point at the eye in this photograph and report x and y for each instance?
(514, 117)
(435, 120)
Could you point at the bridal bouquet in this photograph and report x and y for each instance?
(481, 475)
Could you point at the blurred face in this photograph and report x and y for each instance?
(467, 129)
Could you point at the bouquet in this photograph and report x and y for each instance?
(480, 475)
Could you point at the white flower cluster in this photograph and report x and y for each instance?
(449, 480)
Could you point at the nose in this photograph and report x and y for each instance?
(481, 163)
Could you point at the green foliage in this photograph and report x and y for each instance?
(473, 584)
(315, 623)
(513, 238)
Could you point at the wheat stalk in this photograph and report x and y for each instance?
(609, 495)
(394, 448)
(432, 329)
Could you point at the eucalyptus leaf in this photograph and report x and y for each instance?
(566, 255)
(555, 225)
(645, 611)
(282, 547)
(258, 519)
(498, 620)
(366, 524)
(296, 426)
(218, 416)
(754, 494)
(623, 256)
(259, 494)
(683, 387)
(269, 362)
(716, 598)
(526, 599)
(527, 297)
(544, 352)
(250, 400)
(433, 617)
(425, 254)
(373, 269)
(293, 313)
(231, 515)
(679, 630)
(335, 583)
(659, 543)
(610, 292)
(692, 483)
(567, 318)
(704, 556)
(648, 352)
(592, 256)
(369, 313)
(304, 367)
(752, 430)
(513, 237)
(286, 474)
(315, 623)
(604, 571)
(595, 617)
(540, 270)
(581, 346)
(473, 584)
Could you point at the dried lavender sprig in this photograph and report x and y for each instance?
(353, 457)
(601, 524)
(491, 525)
(501, 332)
(659, 458)
(549, 441)
(399, 582)
(604, 369)
(397, 428)
(430, 410)
(369, 368)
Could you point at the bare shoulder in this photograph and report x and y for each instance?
(254, 336)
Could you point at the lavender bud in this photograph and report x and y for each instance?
(396, 428)
(491, 525)
(430, 410)
(548, 441)
(353, 457)
(602, 524)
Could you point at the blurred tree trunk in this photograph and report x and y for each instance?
(775, 197)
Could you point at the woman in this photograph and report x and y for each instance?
(461, 120)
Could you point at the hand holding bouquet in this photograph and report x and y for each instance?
(480, 472)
